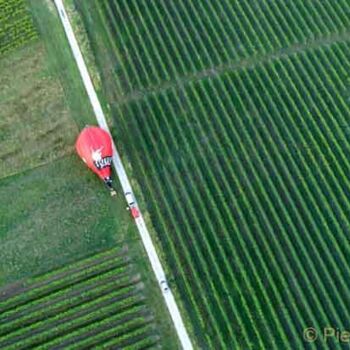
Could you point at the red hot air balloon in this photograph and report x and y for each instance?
(94, 146)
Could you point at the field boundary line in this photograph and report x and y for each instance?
(237, 65)
(125, 183)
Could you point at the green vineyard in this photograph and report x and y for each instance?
(235, 118)
(93, 303)
(16, 25)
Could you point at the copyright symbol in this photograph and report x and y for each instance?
(310, 334)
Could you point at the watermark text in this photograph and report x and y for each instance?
(325, 334)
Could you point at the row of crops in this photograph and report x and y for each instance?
(16, 25)
(235, 118)
(252, 205)
(156, 41)
(96, 302)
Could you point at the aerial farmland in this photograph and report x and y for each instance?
(72, 269)
(232, 120)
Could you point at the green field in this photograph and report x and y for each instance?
(94, 302)
(72, 267)
(17, 26)
(234, 118)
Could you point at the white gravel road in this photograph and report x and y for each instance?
(144, 233)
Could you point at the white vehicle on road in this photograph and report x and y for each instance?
(132, 206)
(164, 286)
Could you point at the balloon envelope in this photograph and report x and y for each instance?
(94, 146)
